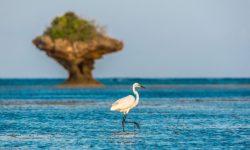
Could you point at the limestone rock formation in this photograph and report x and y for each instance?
(76, 43)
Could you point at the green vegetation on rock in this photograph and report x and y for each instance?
(71, 27)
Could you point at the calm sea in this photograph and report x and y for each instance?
(173, 114)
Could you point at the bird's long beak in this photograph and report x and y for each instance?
(142, 86)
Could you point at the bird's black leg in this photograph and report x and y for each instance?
(123, 121)
(135, 123)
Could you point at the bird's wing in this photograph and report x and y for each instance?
(123, 103)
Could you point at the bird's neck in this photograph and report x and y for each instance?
(136, 95)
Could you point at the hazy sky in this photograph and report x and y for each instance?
(178, 38)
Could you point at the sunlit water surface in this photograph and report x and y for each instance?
(173, 114)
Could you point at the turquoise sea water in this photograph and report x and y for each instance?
(173, 114)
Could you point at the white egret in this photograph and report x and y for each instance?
(126, 103)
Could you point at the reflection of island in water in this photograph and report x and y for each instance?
(76, 43)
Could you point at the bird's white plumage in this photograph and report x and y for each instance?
(124, 104)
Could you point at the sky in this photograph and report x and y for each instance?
(163, 38)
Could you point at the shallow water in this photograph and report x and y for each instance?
(209, 114)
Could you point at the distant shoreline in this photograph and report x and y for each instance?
(128, 81)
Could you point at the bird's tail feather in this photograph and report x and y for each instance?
(112, 108)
